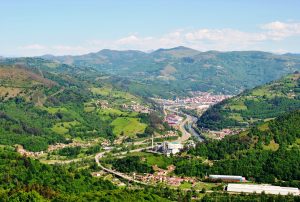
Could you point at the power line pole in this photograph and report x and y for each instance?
(152, 142)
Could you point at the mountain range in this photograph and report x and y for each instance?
(176, 71)
(173, 72)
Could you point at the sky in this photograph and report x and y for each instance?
(74, 27)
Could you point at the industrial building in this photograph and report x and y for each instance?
(168, 148)
(253, 188)
(227, 178)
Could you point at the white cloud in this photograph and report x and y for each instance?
(201, 39)
(128, 40)
(279, 30)
(223, 35)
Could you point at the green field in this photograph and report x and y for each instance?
(236, 116)
(53, 110)
(238, 106)
(116, 112)
(101, 91)
(89, 106)
(264, 126)
(108, 91)
(273, 146)
(128, 126)
(89, 109)
(154, 159)
(296, 144)
(63, 128)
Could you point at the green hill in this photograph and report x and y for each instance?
(39, 108)
(177, 52)
(267, 153)
(257, 105)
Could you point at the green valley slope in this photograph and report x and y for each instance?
(257, 105)
(39, 108)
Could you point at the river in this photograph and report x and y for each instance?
(193, 120)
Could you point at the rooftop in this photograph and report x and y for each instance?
(268, 189)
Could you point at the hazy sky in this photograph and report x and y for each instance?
(59, 27)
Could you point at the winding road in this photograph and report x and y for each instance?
(116, 173)
(188, 121)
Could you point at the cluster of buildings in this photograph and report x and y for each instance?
(20, 149)
(24, 152)
(168, 148)
(222, 133)
(173, 119)
(190, 144)
(105, 143)
(170, 133)
(137, 108)
(58, 146)
(103, 104)
(203, 98)
(199, 101)
(162, 176)
(206, 98)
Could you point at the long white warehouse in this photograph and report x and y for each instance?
(253, 188)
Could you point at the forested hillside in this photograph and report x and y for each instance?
(268, 153)
(253, 106)
(24, 179)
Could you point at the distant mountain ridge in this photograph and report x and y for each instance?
(219, 72)
(179, 51)
(176, 71)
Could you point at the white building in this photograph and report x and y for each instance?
(169, 148)
(227, 178)
(253, 188)
(174, 147)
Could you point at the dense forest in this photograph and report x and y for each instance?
(25, 179)
(265, 153)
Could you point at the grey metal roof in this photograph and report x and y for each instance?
(268, 189)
